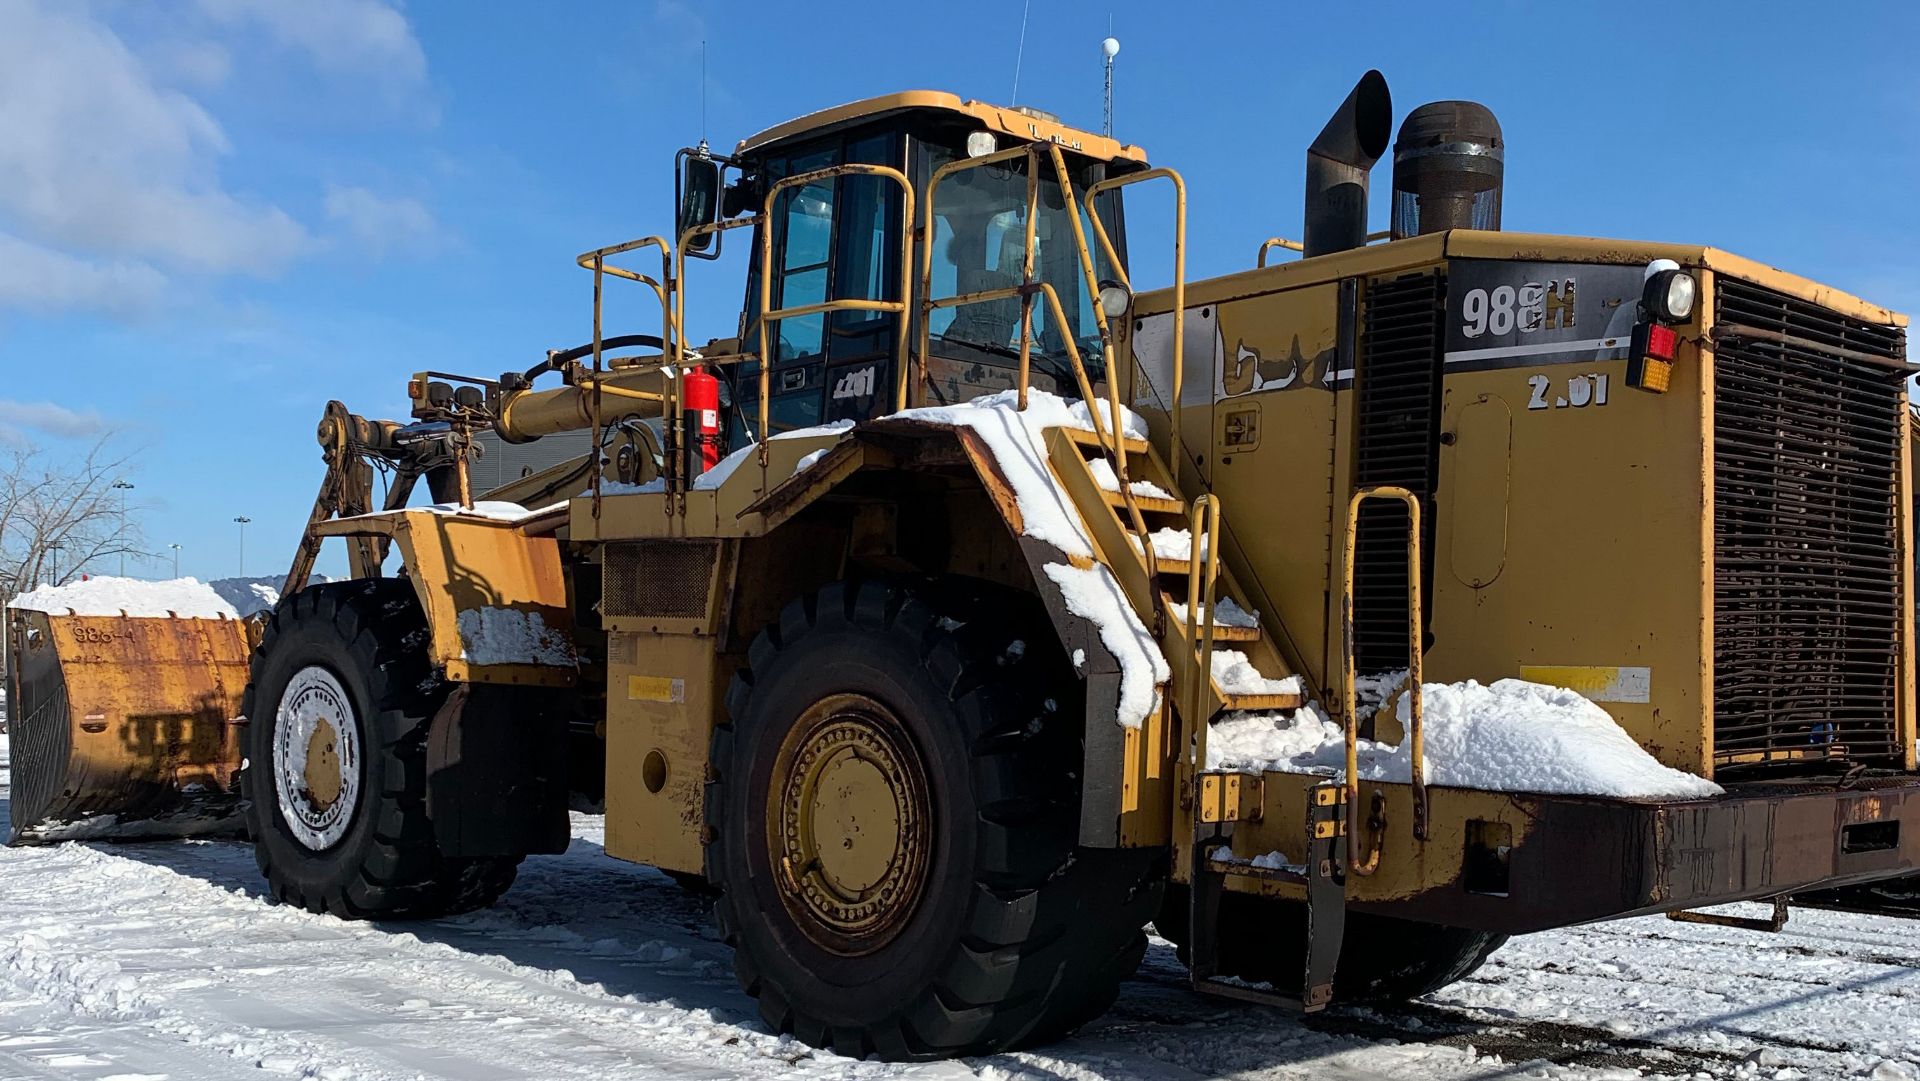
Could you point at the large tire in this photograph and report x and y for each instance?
(357, 844)
(954, 914)
(1382, 959)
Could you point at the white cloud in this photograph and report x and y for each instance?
(194, 62)
(110, 182)
(380, 224)
(95, 156)
(48, 418)
(353, 36)
(41, 279)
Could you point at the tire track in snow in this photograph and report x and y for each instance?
(590, 967)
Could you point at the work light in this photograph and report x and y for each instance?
(1669, 296)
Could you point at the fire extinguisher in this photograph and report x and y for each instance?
(700, 420)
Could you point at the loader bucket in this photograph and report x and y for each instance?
(122, 727)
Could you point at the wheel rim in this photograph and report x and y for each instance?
(848, 825)
(316, 758)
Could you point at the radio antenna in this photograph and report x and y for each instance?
(1020, 52)
(703, 91)
(1109, 49)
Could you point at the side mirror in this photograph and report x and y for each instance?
(699, 199)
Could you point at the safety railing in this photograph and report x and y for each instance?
(663, 289)
(1094, 191)
(1203, 579)
(900, 307)
(1416, 635)
(1298, 248)
(668, 290)
(1273, 242)
(1109, 430)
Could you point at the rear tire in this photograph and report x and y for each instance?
(927, 898)
(336, 778)
(1382, 959)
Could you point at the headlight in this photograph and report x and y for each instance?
(1115, 299)
(1669, 296)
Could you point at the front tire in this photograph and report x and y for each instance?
(895, 816)
(339, 703)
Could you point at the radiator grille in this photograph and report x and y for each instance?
(1808, 427)
(1397, 381)
(658, 578)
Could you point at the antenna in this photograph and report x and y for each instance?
(1110, 48)
(703, 91)
(1020, 53)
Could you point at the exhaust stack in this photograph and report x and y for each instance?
(1338, 161)
(1449, 165)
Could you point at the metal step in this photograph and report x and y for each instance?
(1147, 504)
(1260, 703)
(1326, 927)
(1088, 439)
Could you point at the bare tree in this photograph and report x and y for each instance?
(60, 513)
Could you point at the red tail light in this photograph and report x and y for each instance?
(1650, 359)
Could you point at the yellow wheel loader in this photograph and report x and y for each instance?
(967, 608)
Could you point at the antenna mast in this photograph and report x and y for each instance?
(1110, 48)
(1020, 52)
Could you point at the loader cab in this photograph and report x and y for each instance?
(839, 238)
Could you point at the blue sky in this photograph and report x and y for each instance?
(217, 214)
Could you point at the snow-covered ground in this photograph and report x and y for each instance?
(164, 961)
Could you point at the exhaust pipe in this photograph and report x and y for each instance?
(1338, 161)
(1449, 166)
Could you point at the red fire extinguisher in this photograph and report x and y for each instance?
(700, 420)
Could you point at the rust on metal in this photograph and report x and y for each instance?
(122, 726)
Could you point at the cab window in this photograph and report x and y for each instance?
(833, 239)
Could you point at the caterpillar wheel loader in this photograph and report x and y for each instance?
(901, 619)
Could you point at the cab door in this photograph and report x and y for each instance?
(836, 238)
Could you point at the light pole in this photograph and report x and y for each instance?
(243, 520)
(123, 488)
(176, 559)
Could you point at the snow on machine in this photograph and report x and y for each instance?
(970, 608)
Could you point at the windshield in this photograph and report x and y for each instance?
(979, 238)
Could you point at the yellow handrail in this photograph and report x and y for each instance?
(1201, 591)
(1273, 242)
(670, 336)
(926, 268)
(1094, 190)
(1416, 642)
(770, 314)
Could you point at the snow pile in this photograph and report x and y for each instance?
(1235, 674)
(1171, 543)
(1109, 481)
(511, 636)
(1225, 614)
(1269, 861)
(1373, 690)
(250, 595)
(497, 509)
(620, 487)
(188, 598)
(715, 477)
(1513, 736)
(1017, 440)
(1094, 595)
